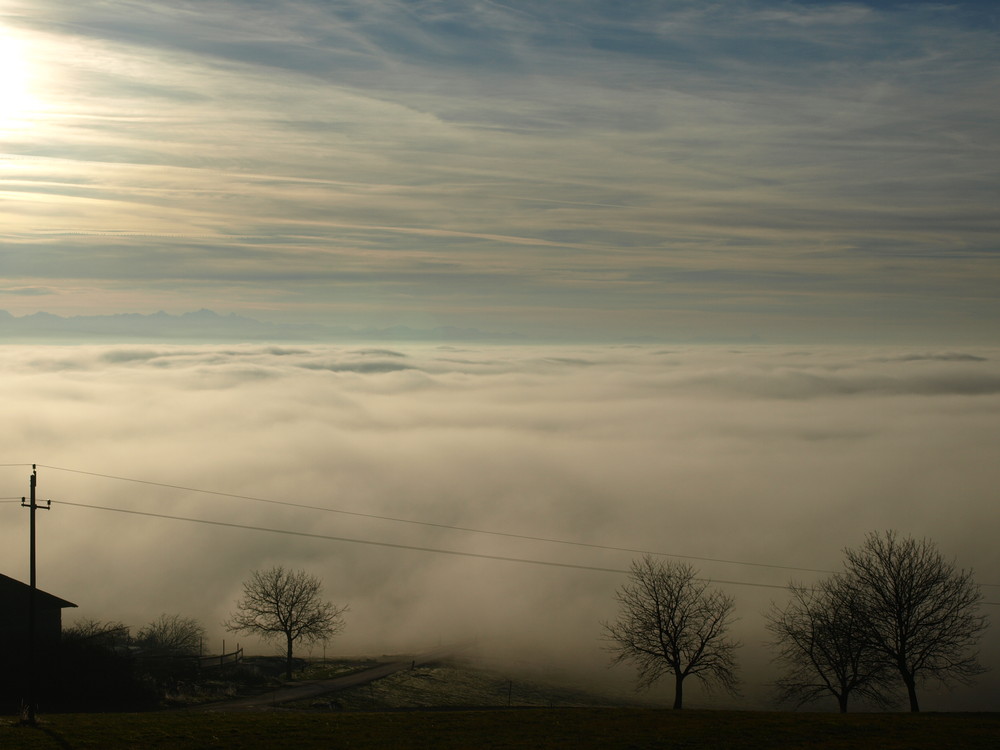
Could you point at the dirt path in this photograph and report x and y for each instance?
(314, 688)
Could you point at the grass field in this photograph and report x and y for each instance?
(464, 706)
(456, 684)
(576, 728)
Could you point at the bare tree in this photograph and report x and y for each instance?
(672, 623)
(921, 613)
(819, 636)
(96, 632)
(171, 635)
(278, 602)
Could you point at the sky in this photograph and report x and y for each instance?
(751, 248)
(779, 171)
(757, 465)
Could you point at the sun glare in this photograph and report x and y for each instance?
(16, 99)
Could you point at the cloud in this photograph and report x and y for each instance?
(943, 357)
(363, 367)
(763, 455)
(27, 291)
(232, 150)
(799, 383)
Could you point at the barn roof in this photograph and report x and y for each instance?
(14, 593)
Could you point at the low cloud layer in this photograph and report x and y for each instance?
(763, 457)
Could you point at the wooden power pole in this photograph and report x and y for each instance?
(28, 710)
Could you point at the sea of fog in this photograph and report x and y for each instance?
(490, 494)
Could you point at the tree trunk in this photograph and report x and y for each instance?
(288, 658)
(842, 701)
(678, 692)
(911, 689)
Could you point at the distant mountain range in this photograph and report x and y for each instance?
(206, 325)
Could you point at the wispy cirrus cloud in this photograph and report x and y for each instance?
(582, 152)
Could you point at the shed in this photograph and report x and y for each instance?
(14, 598)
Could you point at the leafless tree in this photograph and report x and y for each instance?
(285, 603)
(672, 623)
(97, 632)
(921, 613)
(171, 635)
(819, 637)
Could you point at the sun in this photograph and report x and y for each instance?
(16, 99)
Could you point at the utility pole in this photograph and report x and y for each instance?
(31, 699)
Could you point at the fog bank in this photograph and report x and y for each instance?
(771, 458)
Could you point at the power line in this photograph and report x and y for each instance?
(416, 548)
(392, 545)
(509, 535)
(426, 523)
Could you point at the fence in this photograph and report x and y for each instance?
(220, 661)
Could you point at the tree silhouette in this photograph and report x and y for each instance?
(172, 635)
(819, 634)
(672, 623)
(285, 603)
(920, 612)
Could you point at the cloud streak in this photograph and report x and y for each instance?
(569, 147)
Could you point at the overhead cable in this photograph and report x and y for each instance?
(416, 548)
(509, 535)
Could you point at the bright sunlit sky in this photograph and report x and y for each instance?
(772, 170)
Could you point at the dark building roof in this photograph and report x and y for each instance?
(13, 592)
